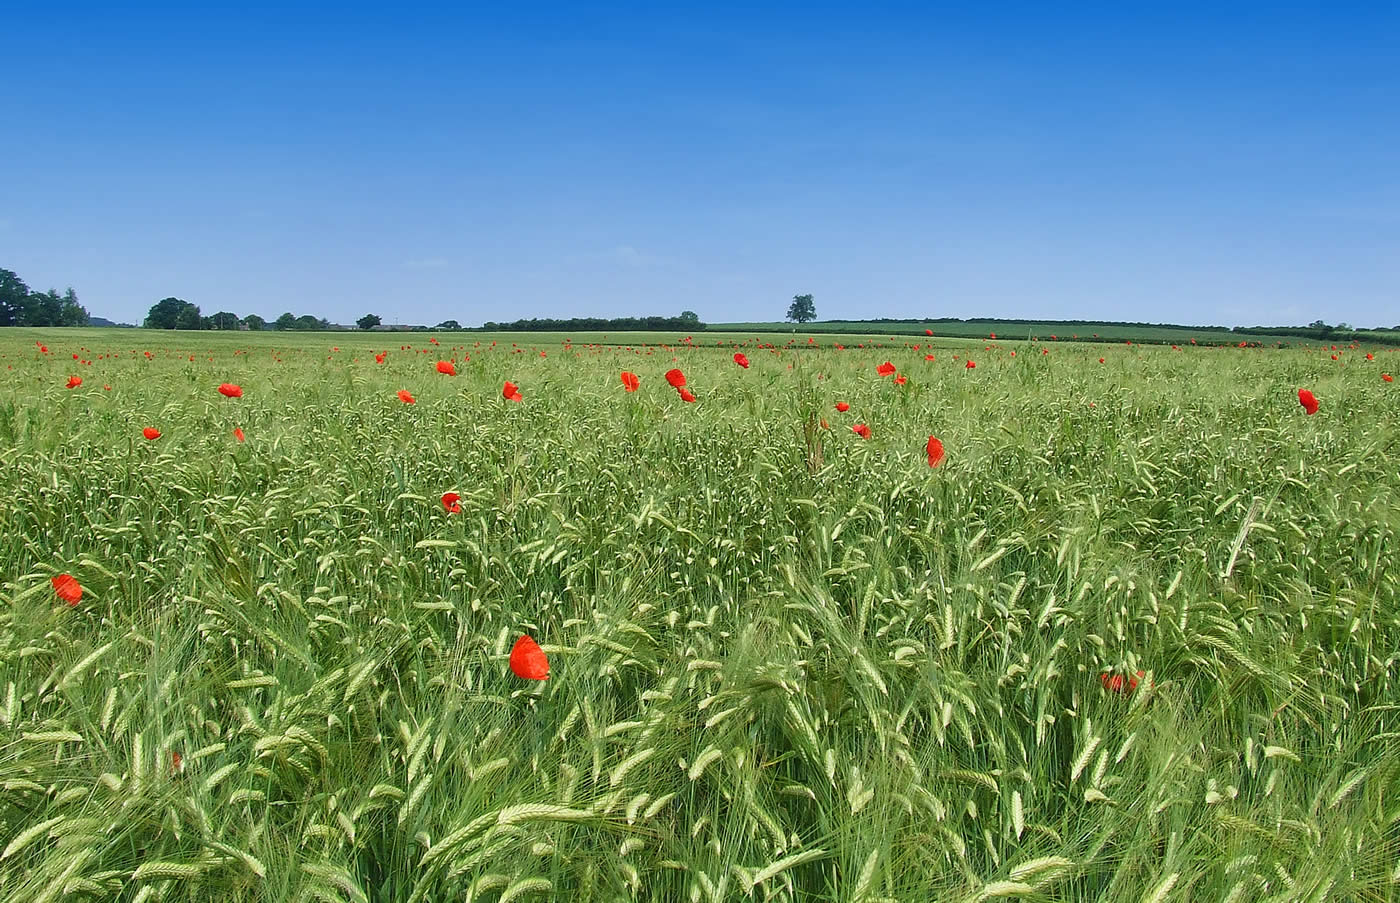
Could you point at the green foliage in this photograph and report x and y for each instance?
(368, 321)
(21, 307)
(787, 664)
(595, 324)
(173, 313)
(254, 322)
(802, 309)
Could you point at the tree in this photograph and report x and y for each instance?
(287, 321)
(14, 299)
(44, 309)
(172, 313)
(223, 320)
(71, 313)
(254, 322)
(802, 309)
(307, 322)
(368, 321)
(690, 316)
(448, 324)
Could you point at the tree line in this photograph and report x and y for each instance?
(688, 320)
(21, 306)
(176, 313)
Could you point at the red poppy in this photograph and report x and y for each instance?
(405, 397)
(1100, 360)
(842, 407)
(676, 378)
(1370, 356)
(445, 367)
(686, 394)
(44, 349)
(229, 390)
(511, 392)
(106, 388)
(74, 382)
(970, 365)
(1117, 683)
(1387, 377)
(935, 452)
(928, 332)
(861, 430)
(885, 369)
(741, 360)
(825, 425)
(528, 660)
(238, 433)
(901, 379)
(1308, 401)
(151, 433)
(67, 588)
(452, 502)
(379, 358)
(630, 382)
(177, 763)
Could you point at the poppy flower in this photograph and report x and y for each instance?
(1387, 377)
(825, 425)
(74, 382)
(970, 365)
(1370, 356)
(238, 433)
(67, 588)
(379, 358)
(1308, 401)
(676, 378)
(229, 390)
(842, 407)
(511, 392)
(44, 349)
(446, 367)
(928, 332)
(451, 501)
(405, 397)
(686, 394)
(106, 388)
(741, 360)
(929, 357)
(885, 369)
(528, 660)
(1117, 683)
(177, 763)
(1100, 360)
(630, 382)
(901, 379)
(935, 452)
(861, 430)
(151, 433)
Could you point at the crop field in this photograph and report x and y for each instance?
(1134, 638)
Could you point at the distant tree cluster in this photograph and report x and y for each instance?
(19, 306)
(688, 320)
(176, 313)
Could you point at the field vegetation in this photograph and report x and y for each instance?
(1135, 638)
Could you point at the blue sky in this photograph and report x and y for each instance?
(1170, 164)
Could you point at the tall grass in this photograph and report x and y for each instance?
(787, 664)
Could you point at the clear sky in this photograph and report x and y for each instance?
(1194, 163)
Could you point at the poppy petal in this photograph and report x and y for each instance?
(527, 660)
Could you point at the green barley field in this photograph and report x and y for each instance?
(786, 663)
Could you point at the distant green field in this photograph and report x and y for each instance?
(1135, 638)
